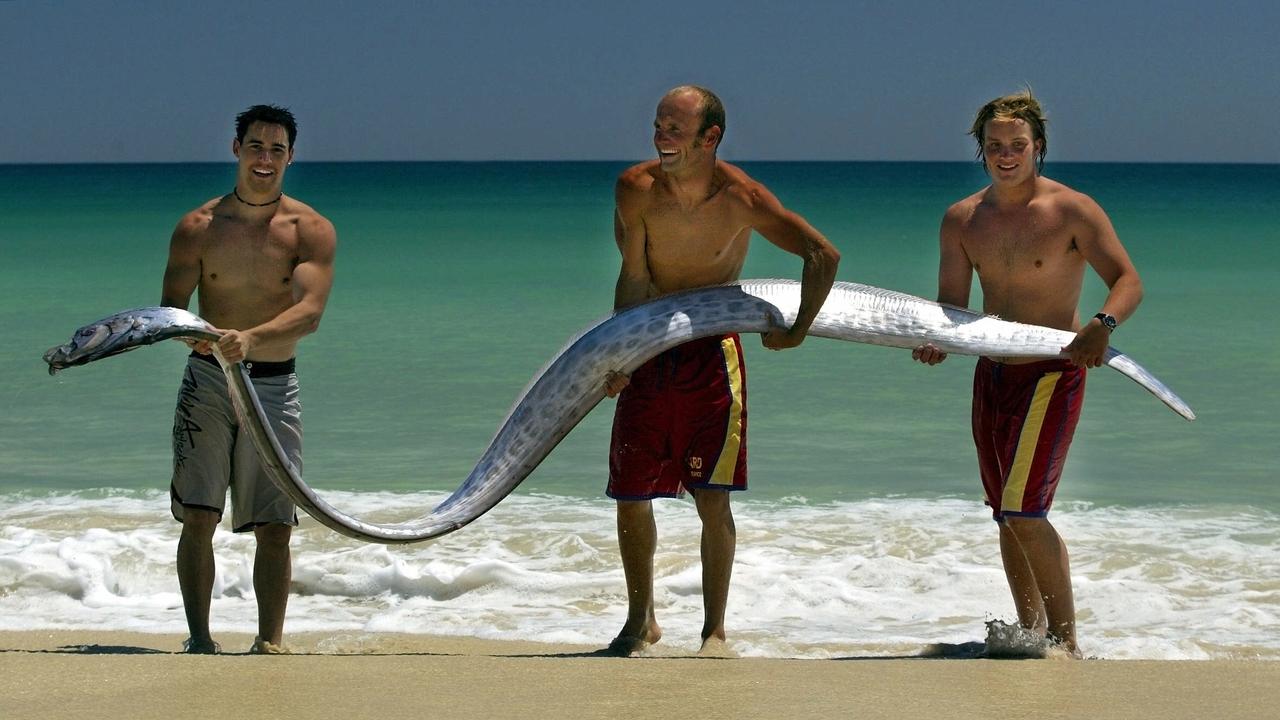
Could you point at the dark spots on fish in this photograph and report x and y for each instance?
(284, 280)
(1039, 263)
(213, 276)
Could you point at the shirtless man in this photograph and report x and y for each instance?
(684, 221)
(1030, 239)
(263, 263)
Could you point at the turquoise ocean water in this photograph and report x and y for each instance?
(456, 282)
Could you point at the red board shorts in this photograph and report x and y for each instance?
(1023, 419)
(682, 423)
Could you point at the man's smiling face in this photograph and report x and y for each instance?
(264, 154)
(1009, 150)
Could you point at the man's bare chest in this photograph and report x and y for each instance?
(235, 253)
(1011, 241)
(709, 231)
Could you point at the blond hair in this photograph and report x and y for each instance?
(1018, 106)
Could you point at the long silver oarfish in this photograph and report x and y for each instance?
(571, 385)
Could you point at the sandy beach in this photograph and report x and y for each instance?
(78, 674)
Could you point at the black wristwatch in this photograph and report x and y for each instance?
(1108, 320)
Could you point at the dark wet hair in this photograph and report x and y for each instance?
(269, 114)
(1018, 106)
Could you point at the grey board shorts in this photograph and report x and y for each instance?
(211, 453)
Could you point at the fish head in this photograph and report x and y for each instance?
(93, 341)
(77, 351)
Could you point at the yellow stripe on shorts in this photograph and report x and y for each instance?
(1016, 484)
(728, 462)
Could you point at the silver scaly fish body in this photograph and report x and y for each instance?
(126, 331)
(572, 383)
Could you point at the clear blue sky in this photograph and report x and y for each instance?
(482, 80)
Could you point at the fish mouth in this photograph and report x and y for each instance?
(84, 342)
(57, 357)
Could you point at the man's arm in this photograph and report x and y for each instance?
(311, 281)
(794, 234)
(955, 278)
(629, 232)
(1101, 248)
(634, 279)
(182, 270)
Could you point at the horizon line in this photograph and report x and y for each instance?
(619, 161)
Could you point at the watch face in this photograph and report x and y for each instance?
(1107, 320)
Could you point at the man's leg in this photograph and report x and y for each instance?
(719, 540)
(637, 542)
(1022, 583)
(1046, 557)
(272, 573)
(195, 575)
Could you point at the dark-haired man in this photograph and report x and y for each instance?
(684, 221)
(263, 263)
(1030, 239)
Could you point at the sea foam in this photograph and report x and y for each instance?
(839, 579)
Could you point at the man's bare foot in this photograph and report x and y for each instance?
(1007, 640)
(714, 647)
(192, 646)
(630, 644)
(1010, 640)
(1060, 650)
(625, 646)
(1057, 651)
(263, 647)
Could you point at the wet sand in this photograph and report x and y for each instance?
(79, 674)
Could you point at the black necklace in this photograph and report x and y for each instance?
(236, 192)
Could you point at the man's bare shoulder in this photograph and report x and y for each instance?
(312, 226)
(740, 186)
(303, 212)
(639, 177)
(635, 185)
(193, 224)
(961, 211)
(1067, 199)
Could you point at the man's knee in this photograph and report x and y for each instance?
(634, 509)
(1025, 527)
(713, 506)
(198, 523)
(273, 534)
